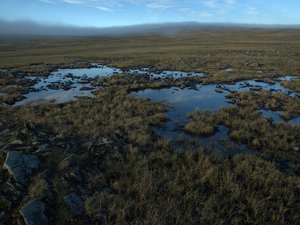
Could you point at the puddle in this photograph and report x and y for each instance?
(184, 101)
(210, 98)
(287, 78)
(253, 85)
(165, 74)
(67, 84)
(275, 116)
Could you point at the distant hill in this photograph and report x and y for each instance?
(34, 28)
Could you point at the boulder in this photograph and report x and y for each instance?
(20, 165)
(33, 213)
(74, 203)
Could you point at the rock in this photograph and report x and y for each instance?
(218, 90)
(269, 81)
(296, 149)
(20, 165)
(74, 202)
(255, 88)
(2, 214)
(33, 213)
(104, 141)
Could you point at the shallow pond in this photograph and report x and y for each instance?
(275, 116)
(205, 97)
(65, 85)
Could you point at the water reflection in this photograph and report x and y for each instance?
(66, 84)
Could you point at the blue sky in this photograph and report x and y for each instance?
(106, 13)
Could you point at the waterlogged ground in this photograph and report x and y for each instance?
(65, 85)
(207, 98)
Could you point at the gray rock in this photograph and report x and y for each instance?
(218, 90)
(255, 88)
(2, 214)
(74, 202)
(20, 165)
(33, 213)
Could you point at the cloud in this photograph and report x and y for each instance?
(210, 3)
(205, 14)
(47, 1)
(219, 4)
(230, 2)
(251, 10)
(105, 5)
(158, 4)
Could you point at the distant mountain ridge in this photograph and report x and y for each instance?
(33, 28)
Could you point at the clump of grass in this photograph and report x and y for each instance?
(267, 100)
(248, 126)
(293, 85)
(202, 125)
(94, 206)
(199, 129)
(245, 189)
(38, 186)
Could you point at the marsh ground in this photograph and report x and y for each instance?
(104, 151)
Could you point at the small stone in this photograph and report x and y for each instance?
(33, 213)
(20, 165)
(2, 214)
(74, 202)
(255, 88)
(218, 90)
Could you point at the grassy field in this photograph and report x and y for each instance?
(247, 51)
(104, 149)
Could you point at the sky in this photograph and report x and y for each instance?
(108, 13)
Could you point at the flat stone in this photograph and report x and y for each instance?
(20, 165)
(218, 90)
(33, 213)
(255, 88)
(74, 202)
